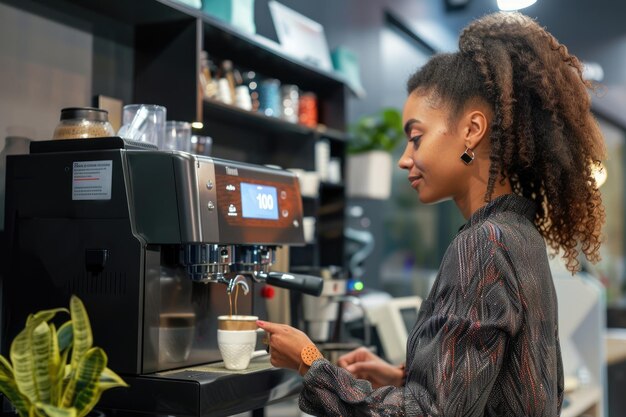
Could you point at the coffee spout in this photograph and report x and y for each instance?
(238, 280)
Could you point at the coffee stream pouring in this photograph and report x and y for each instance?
(238, 280)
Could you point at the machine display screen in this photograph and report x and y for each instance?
(258, 201)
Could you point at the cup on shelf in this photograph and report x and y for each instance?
(269, 97)
(307, 110)
(322, 158)
(242, 97)
(223, 91)
(309, 182)
(308, 227)
(177, 136)
(144, 123)
(290, 100)
(334, 170)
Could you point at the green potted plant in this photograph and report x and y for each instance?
(373, 138)
(56, 373)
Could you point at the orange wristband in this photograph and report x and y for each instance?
(309, 354)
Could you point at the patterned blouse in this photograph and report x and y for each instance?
(486, 339)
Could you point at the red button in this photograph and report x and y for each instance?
(268, 292)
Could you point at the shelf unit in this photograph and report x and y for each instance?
(214, 109)
(166, 39)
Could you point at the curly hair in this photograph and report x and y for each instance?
(544, 138)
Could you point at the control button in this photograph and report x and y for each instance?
(296, 223)
(285, 213)
(283, 195)
(211, 206)
(268, 292)
(209, 184)
(230, 187)
(232, 210)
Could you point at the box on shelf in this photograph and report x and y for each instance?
(191, 3)
(239, 13)
(346, 63)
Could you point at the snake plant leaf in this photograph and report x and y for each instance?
(55, 354)
(5, 368)
(43, 315)
(48, 410)
(69, 391)
(10, 390)
(65, 335)
(62, 379)
(87, 377)
(42, 380)
(83, 338)
(22, 360)
(109, 379)
(57, 362)
(40, 341)
(89, 367)
(21, 353)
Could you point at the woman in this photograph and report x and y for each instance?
(513, 105)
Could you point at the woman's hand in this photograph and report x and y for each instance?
(364, 364)
(286, 344)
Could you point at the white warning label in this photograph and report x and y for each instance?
(91, 180)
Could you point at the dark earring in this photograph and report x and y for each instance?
(468, 156)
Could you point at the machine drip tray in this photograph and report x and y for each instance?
(260, 363)
(202, 391)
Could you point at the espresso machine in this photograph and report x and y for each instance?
(152, 242)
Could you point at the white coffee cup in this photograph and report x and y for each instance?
(237, 346)
(309, 182)
(174, 336)
(308, 227)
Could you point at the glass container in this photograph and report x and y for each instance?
(83, 122)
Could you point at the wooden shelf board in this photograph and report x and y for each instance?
(217, 111)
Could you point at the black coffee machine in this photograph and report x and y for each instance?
(138, 234)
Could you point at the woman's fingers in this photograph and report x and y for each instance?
(268, 326)
(285, 344)
(361, 369)
(361, 354)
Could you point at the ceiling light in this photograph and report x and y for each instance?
(509, 5)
